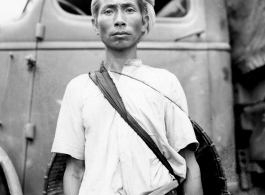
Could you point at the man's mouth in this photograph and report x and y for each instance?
(120, 33)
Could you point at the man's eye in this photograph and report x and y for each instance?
(108, 11)
(130, 10)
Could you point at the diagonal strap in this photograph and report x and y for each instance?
(106, 85)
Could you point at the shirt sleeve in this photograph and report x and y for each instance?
(69, 136)
(180, 132)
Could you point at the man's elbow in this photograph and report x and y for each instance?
(74, 168)
(193, 183)
(77, 166)
(73, 176)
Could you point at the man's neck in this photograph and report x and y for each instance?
(116, 59)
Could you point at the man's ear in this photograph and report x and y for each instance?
(95, 25)
(145, 23)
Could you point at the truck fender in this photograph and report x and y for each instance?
(10, 174)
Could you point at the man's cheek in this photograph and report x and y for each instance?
(137, 24)
(103, 31)
(104, 28)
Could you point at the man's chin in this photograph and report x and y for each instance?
(121, 46)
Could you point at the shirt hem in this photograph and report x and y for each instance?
(66, 149)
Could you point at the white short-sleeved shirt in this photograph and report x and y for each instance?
(117, 161)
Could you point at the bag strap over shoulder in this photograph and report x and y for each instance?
(106, 85)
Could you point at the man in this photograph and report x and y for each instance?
(106, 157)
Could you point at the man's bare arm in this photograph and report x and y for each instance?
(73, 176)
(192, 184)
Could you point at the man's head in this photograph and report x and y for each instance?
(122, 22)
(146, 6)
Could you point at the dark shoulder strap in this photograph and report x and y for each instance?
(106, 85)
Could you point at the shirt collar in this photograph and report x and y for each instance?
(133, 62)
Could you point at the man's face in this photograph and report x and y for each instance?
(120, 23)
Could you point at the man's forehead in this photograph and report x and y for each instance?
(118, 2)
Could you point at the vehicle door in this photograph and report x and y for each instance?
(17, 55)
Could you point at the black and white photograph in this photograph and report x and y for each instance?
(132, 97)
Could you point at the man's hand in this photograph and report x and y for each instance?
(192, 184)
(73, 176)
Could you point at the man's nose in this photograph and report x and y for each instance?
(120, 20)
